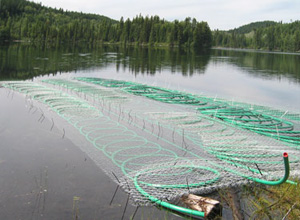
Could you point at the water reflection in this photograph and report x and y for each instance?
(151, 61)
(21, 61)
(263, 65)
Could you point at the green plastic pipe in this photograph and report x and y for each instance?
(166, 204)
(185, 210)
(284, 178)
(267, 182)
(203, 214)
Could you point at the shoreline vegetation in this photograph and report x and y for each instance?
(25, 21)
(266, 36)
(28, 21)
(255, 50)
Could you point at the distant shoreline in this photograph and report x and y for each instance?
(254, 50)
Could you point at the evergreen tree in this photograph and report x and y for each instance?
(297, 40)
(257, 38)
(24, 20)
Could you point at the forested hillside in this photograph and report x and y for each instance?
(29, 21)
(24, 20)
(261, 35)
(250, 27)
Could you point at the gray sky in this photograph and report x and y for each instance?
(220, 14)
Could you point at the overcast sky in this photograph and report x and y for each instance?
(220, 14)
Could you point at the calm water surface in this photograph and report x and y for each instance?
(255, 77)
(42, 174)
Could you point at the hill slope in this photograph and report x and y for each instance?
(252, 26)
(24, 20)
(11, 8)
(265, 35)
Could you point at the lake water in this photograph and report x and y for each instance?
(28, 180)
(256, 77)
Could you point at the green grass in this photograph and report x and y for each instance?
(276, 202)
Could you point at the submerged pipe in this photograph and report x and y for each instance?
(167, 205)
(181, 209)
(187, 211)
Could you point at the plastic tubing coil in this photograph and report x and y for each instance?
(168, 205)
(203, 214)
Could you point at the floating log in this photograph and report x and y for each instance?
(210, 207)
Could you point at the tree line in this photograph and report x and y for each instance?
(24, 20)
(273, 37)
